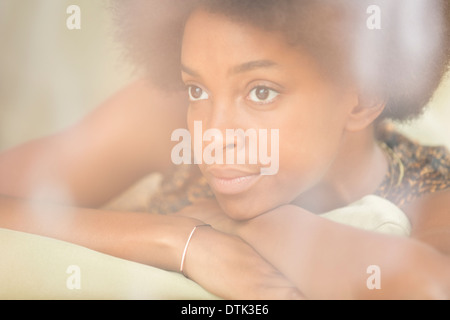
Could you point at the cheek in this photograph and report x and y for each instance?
(307, 151)
(304, 167)
(199, 111)
(190, 118)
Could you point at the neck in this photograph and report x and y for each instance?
(358, 170)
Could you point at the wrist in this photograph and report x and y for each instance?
(199, 247)
(186, 246)
(159, 241)
(174, 240)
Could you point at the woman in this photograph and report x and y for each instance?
(310, 69)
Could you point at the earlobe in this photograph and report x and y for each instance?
(364, 113)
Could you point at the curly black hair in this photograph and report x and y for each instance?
(400, 64)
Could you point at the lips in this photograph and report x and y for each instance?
(230, 181)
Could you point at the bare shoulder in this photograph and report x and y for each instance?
(137, 123)
(121, 141)
(143, 97)
(430, 219)
(143, 103)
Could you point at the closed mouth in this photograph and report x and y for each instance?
(230, 180)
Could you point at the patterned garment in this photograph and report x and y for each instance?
(414, 170)
(180, 189)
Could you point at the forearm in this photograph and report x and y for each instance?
(329, 260)
(70, 167)
(145, 238)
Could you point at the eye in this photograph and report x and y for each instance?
(197, 93)
(262, 95)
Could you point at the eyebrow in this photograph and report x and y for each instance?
(189, 71)
(252, 65)
(245, 67)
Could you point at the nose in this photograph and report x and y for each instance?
(223, 115)
(226, 125)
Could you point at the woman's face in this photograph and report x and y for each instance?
(241, 77)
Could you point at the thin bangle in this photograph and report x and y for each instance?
(183, 257)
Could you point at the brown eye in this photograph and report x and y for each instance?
(197, 93)
(262, 95)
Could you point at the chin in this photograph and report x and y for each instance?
(242, 208)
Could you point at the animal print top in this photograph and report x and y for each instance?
(414, 169)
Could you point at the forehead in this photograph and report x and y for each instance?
(210, 36)
(216, 47)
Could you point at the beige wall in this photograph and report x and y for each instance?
(51, 76)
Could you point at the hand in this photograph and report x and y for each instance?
(229, 268)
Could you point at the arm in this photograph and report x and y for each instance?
(86, 165)
(222, 264)
(125, 138)
(329, 260)
(141, 237)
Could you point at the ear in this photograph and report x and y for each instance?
(364, 113)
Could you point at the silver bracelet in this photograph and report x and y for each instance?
(183, 257)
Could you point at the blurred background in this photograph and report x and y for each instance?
(50, 76)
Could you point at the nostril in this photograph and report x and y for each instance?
(230, 146)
